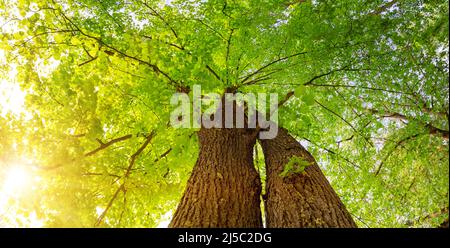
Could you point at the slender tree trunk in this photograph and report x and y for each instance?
(224, 188)
(303, 199)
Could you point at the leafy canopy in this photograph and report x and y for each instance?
(363, 85)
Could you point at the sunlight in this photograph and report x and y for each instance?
(17, 182)
(17, 179)
(165, 220)
(99, 210)
(34, 221)
(12, 98)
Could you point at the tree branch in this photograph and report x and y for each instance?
(383, 8)
(100, 174)
(214, 73)
(88, 61)
(127, 173)
(111, 201)
(360, 87)
(438, 213)
(400, 142)
(138, 152)
(269, 64)
(261, 78)
(154, 67)
(163, 155)
(310, 82)
(209, 27)
(228, 49)
(156, 14)
(431, 129)
(437, 131)
(344, 120)
(332, 152)
(107, 144)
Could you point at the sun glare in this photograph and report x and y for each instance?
(165, 220)
(17, 178)
(17, 181)
(12, 99)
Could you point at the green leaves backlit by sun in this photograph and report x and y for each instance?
(19, 184)
(85, 85)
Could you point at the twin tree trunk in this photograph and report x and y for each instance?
(224, 189)
(300, 200)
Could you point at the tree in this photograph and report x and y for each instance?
(362, 85)
(224, 188)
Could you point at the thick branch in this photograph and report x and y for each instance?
(431, 129)
(438, 213)
(138, 152)
(100, 174)
(437, 131)
(444, 224)
(107, 144)
(111, 201)
(88, 61)
(228, 51)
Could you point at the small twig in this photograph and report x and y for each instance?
(347, 122)
(163, 155)
(269, 64)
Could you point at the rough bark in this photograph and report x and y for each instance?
(302, 199)
(444, 224)
(224, 188)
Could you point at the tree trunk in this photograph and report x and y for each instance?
(224, 188)
(444, 224)
(300, 200)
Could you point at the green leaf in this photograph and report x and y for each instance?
(295, 165)
(300, 91)
(308, 98)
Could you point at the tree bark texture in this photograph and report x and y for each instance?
(224, 187)
(303, 199)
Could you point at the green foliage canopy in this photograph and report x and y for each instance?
(363, 85)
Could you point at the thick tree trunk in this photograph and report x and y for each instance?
(444, 224)
(224, 187)
(303, 199)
